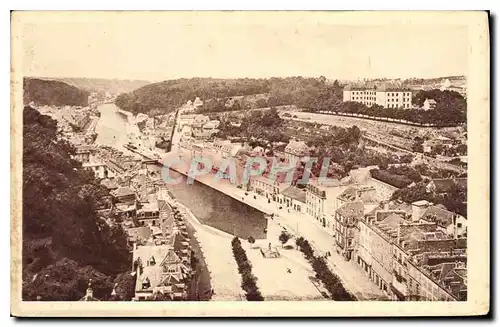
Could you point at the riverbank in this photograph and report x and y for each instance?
(215, 246)
(299, 224)
(223, 186)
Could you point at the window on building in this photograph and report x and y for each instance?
(459, 225)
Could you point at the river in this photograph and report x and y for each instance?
(112, 127)
(210, 206)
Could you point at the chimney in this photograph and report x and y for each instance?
(399, 234)
(418, 209)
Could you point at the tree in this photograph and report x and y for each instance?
(81, 245)
(125, 286)
(284, 237)
(417, 145)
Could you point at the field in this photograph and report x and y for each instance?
(389, 129)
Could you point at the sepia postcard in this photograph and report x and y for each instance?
(204, 163)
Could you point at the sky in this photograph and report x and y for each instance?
(157, 50)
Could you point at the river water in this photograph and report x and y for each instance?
(112, 127)
(210, 206)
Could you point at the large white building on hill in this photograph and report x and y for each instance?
(383, 95)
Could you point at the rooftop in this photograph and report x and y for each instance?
(421, 203)
(444, 185)
(438, 215)
(124, 191)
(349, 194)
(351, 210)
(295, 193)
(139, 233)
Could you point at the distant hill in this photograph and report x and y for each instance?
(53, 93)
(164, 97)
(115, 86)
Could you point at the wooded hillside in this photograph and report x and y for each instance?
(65, 242)
(52, 93)
(169, 95)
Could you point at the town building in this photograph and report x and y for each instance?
(295, 151)
(110, 184)
(455, 84)
(162, 263)
(294, 198)
(148, 214)
(125, 195)
(382, 95)
(199, 121)
(211, 126)
(269, 188)
(139, 235)
(226, 149)
(83, 153)
(365, 194)
(444, 185)
(320, 200)
(197, 102)
(346, 221)
(454, 225)
(429, 104)
(410, 258)
(159, 270)
(99, 169)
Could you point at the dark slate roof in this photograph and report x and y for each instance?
(295, 193)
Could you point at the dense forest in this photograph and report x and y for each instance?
(65, 242)
(169, 95)
(52, 93)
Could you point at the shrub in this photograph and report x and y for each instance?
(391, 179)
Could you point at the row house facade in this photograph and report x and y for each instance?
(320, 200)
(411, 259)
(346, 227)
(269, 188)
